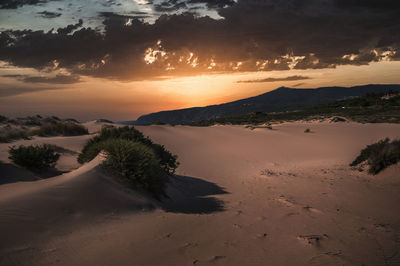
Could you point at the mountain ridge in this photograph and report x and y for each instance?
(280, 99)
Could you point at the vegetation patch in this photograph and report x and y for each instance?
(3, 119)
(372, 108)
(8, 134)
(132, 157)
(37, 158)
(379, 156)
(252, 127)
(64, 128)
(24, 127)
(137, 164)
(101, 120)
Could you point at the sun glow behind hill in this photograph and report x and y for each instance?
(94, 97)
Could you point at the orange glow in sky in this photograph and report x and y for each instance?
(93, 97)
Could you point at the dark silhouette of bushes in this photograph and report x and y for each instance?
(101, 120)
(71, 120)
(379, 155)
(3, 119)
(65, 128)
(10, 134)
(133, 157)
(24, 127)
(368, 109)
(36, 158)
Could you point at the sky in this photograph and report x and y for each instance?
(119, 59)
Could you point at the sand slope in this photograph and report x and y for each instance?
(31, 212)
(241, 197)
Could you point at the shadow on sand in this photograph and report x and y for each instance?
(192, 196)
(10, 173)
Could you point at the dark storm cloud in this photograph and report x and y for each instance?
(48, 14)
(110, 3)
(374, 4)
(175, 5)
(13, 4)
(213, 3)
(113, 15)
(70, 28)
(12, 90)
(170, 5)
(290, 78)
(58, 79)
(252, 35)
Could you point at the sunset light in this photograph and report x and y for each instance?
(199, 132)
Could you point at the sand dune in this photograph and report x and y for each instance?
(241, 197)
(33, 210)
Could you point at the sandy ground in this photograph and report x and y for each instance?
(241, 197)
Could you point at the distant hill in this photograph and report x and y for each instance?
(281, 99)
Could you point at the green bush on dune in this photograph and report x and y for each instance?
(36, 158)
(132, 157)
(135, 163)
(379, 155)
(65, 128)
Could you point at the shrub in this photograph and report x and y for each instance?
(132, 157)
(167, 161)
(71, 120)
(67, 128)
(135, 163)
(10, 134)
(90, 150)
(35, 158)
(31, 121)
(3, 119)
(379, 155)
(101, 120)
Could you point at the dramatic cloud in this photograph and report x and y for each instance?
(13, 90)
(174, 5)
(119, 17)
(213, 3)
(58, 79)
(13, 4)
(48, 14)
(251, 35)
(170, 5)
(291, 78)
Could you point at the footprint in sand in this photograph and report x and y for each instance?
(262, 236)
(262, 218)
(292, 214)
(313, 240)
(230, 244)
(217, 258)
(166, 236)
(383, 227)
(190, 245)
(311, 209)
(329, 258)
(285, 201)
(238, 226)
